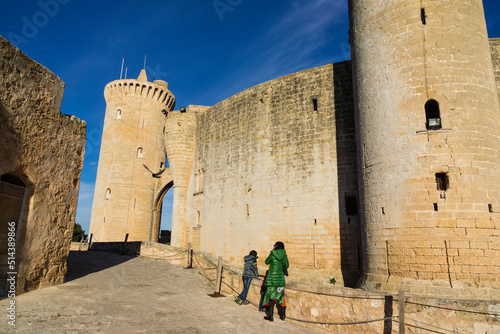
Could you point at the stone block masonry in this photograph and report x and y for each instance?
(132, 152)
(279, 163)
(41, 157)
(429, 146)
(384, 167)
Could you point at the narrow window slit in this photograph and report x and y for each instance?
(436, 207)
(315, 104)
(422, 16)
(351, 204)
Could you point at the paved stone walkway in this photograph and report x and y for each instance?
(109, 293)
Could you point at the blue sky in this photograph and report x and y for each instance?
(206, 50)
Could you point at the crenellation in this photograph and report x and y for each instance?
(283, 159)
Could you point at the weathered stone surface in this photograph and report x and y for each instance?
(44, 149)
(418, 232)
(279, 161)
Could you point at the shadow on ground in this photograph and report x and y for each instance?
(84, 263)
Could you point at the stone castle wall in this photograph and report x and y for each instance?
(283, 160)
(44, 149)
(180, 144)
(429, 196)
(270, 167)
(495, 55)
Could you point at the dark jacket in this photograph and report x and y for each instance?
(250, 267)
(276, 260)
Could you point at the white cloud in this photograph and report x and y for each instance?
(295, 42)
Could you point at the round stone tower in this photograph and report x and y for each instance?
(180, 145)
(132, 153)
(428, 144)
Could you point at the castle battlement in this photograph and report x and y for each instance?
(156, 91)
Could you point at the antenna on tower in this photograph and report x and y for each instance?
(126, 69)
(121, 72)
(144, 61)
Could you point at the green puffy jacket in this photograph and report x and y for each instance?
(277, 259)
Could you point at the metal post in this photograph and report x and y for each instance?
(218, 282)
(401, 300)
(124, 244)
(90, 240)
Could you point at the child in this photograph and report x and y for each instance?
(249, 272)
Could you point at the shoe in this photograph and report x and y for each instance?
(237, 301)
(245, 302)
(268, 318)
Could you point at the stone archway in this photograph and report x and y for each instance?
(155, 230)
(12, 198)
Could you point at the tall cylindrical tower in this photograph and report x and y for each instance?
(132, 151)
(428, 144)
(180, 140)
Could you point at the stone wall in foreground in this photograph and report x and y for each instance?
(44, 149)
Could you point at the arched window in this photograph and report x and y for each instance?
(119, 114)
(432, 115)
(140, 152)
(108, 194)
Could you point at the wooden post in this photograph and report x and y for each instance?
(401, 300)
(218, 282)
(124, 244)
(190, 256)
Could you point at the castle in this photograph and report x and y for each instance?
(382, 171)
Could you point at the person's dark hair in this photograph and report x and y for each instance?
(279, 245)
(252, 252)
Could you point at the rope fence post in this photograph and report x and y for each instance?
(124, 244)
(218, 282)
(90, 240)
(401, 300)
(190, 256)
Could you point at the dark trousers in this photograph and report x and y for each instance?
(246, 286)
(270, 309)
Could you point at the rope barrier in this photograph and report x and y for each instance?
(212, 268)
(435, 327)
(343, 323)
(317, 322)
(162, 258)
(458, 308)
(229, 286)
(203, 274)
(196, 259)
(342, 296)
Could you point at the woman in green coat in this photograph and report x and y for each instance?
(275, 281)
